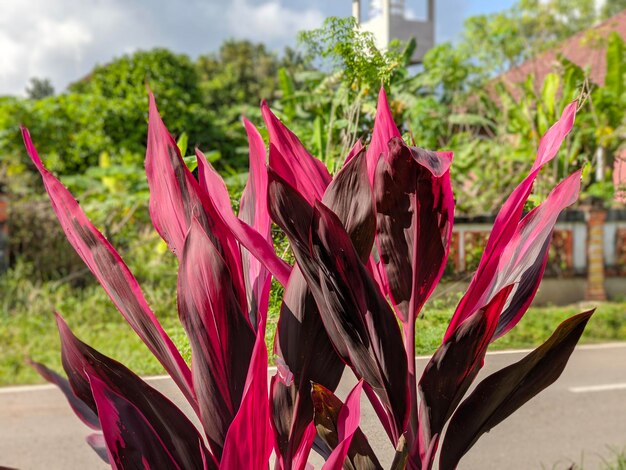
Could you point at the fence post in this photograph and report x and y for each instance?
(596, 217)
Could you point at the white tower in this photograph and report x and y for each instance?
(387, 20)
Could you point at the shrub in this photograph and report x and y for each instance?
(36, 238)
(370, 246)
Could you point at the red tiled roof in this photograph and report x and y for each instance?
(587, 49)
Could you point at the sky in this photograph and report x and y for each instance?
(64, 39)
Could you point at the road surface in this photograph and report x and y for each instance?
(578, 419)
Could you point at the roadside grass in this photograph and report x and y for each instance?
(616, 460)
(27, 326)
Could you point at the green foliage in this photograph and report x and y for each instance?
(37, 240)
(612, 7)
(501, 40)
(39, 88)
(104, 112)
(340, 45)
(25, 319)
(239, 73)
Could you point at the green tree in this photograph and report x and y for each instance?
(240, 72)
(39, 88)
(501, 40)
(106, 111)
(613, 7)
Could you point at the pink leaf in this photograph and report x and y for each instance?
(347, 424)
(114, 276)
(384, 130)
(254, 212)
(219, 332)
(176, 198)
(506, 224)
(354, 151)
(292, 161)
(249, 441)
(251, 239)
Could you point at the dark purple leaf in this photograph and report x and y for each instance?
(358, 320)
(302, 340)
(450, 372)
(131, 439)
(415, 213)
(176, 433)
(326, 415)
(80, 408)
(220, 335)
(502, 393)
(114, 276)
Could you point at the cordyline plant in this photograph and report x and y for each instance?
(370, 246)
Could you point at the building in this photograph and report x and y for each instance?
(388, 20)
(587, 49)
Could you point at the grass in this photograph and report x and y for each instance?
(27, 325)
(616, 460)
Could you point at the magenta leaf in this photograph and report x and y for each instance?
(358, 320)
(220, 334)
(524, 259)
(450, 372)
(506, 224)
(347, 425)
(249, 441)
(176, 198)
(114, 276)
(79, 407)
(292, 162)
(360, 455)
(384, 130)
(254, 212)
(502, 393)
(354, 151)
(215, 190)
(415, 213)
(175, 432)
(302, 341)
(131, 438)
(98, 444)
(302, 452)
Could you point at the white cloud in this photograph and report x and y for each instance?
(63, 39)
(270, 20)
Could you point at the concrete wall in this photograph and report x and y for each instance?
(552, 291)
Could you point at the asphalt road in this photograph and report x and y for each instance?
(577, 420)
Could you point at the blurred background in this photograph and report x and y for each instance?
(484, 79)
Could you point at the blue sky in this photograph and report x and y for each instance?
(63, 39)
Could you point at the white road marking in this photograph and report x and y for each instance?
(272, 369)
(44, 387)
(598, 388)
(27, 388)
